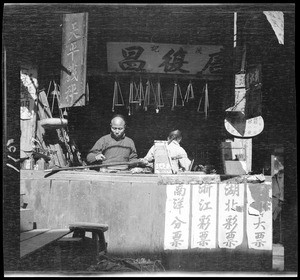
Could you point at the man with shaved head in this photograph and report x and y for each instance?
(114, 147)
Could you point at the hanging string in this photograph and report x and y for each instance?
(140, 91)
(49, 88)
(147, 95)
(160, 101)
(206, 101)
(149, 89)
(133, 98)
(199, 105)
(130, 101)
(155, 96)
(117, 92)
(189, 94)
(175, 96)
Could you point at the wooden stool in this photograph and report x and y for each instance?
(79, 229)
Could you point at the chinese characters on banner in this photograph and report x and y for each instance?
(204, 216)
(254, 95)
(222, 212)
(177, 217)
(165, 58)
(259, 215)
(74, 49)
(231, 211)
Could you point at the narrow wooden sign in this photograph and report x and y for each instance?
(73, 60)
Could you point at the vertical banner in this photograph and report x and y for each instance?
(259, 216)
(177, 217)
(276, 19)
(73, 60)
(29, 85)
(28, 90)
(204, 216)
(231, 220)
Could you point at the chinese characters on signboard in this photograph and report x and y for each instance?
(231, 211)
(164, 58)
(217, 217)
(204, 216)
(254, 95)
(74, 49)
(177, 217)
(259, 213)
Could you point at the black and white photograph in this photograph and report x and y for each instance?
(149, 140)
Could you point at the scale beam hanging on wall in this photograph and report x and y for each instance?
(160, 101)
(206, 101)
(117, 96)
(189, 94)
(140, 92)
(148, 91)
(175, 97)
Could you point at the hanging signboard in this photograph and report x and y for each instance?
(239, 126)
(244, 118)
(165, 58)
(254, 95)
(73, 60)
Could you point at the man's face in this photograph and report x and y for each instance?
(117, 128)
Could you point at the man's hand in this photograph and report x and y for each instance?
(100, 157)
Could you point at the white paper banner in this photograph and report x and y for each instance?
(231, 219)
(276, 20)
(177, 217)
(204, 216)
(259, 216)
(28, 93)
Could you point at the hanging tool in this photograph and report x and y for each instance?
(160, 101)
(117, 92)
(189, 93)
(206, 102)
(175, 96)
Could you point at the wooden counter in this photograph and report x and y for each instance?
(140, 212)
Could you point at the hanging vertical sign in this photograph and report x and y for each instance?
(231, 220)
(73, 60)
(29, 85)
(259, 215)
(204, 216)
(177, 217)
(253, 82)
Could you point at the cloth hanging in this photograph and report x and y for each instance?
(276, 20)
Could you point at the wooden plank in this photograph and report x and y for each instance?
(30, 234)
(30, 245)
(89, 226)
